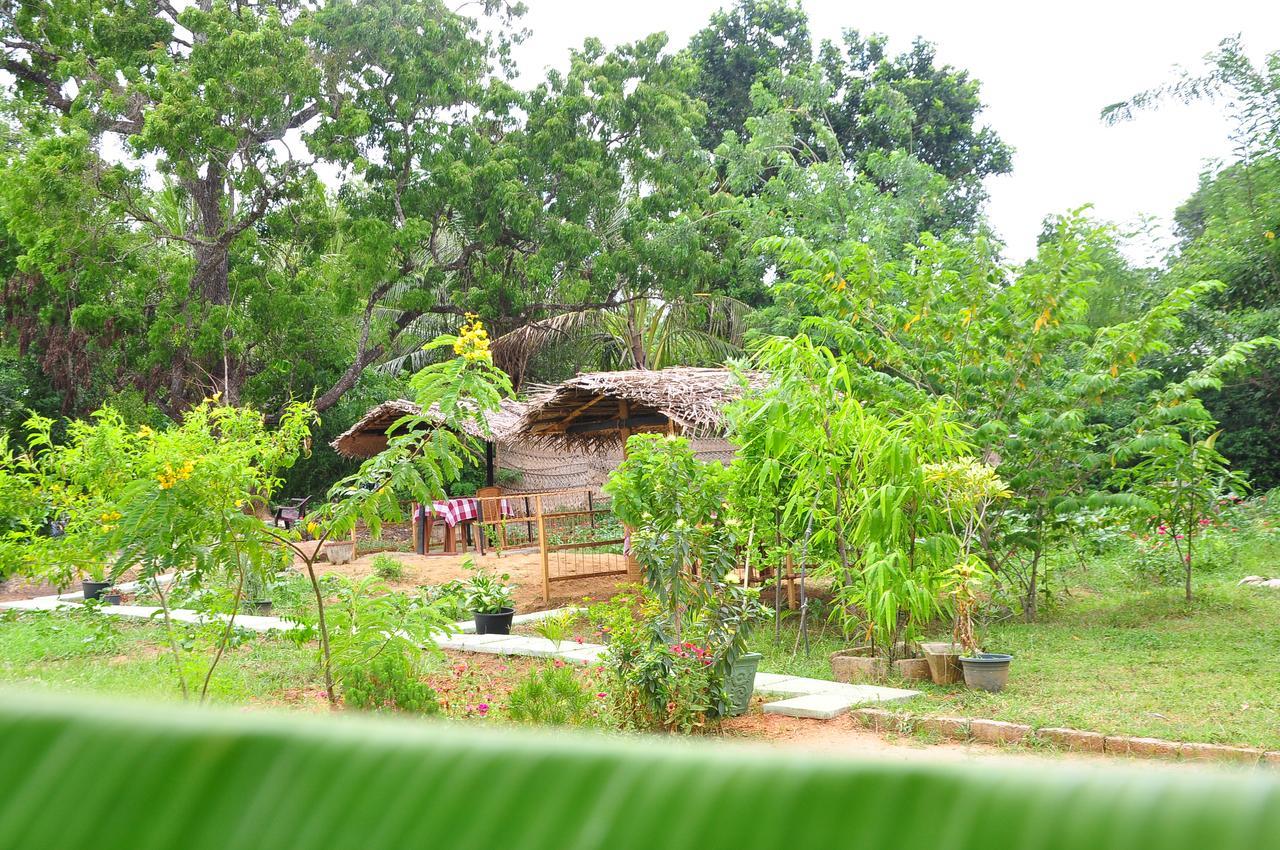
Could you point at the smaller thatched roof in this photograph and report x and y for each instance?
(590, 410)
(369, 435)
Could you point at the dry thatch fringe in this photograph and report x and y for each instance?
(691, 399)
(369, 435)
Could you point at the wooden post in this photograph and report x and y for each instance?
(353, 543)
(542, 548)
(791, 584)
(624, 433)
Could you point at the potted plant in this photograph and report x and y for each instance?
(339, 551)
(257, 593)
(987, 671)
(112, 596)
(488, 597)
(98, 581)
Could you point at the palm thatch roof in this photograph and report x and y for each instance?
(595, 410)
(369, 435)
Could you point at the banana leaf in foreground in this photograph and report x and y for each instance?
(76, 772)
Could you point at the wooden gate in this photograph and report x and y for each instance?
(574, 532)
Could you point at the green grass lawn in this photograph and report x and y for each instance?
(117, 656)
(1117, 657)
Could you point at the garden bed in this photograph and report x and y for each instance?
(1124, 663)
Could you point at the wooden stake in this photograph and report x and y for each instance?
(542, 547)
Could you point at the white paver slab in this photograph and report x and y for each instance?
(587, 653)
(797, 686)
(496, 647)
(814, 706)
(469, 626)
(533, 646)
(476, 640)
(764, 680)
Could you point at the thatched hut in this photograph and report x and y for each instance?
(571, 435)
(369, 435)
(597, 411)
(516, 462)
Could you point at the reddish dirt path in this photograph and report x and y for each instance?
(843, 738)
(525, 570)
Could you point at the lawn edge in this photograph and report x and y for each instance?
(987, 731)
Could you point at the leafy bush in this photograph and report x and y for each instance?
(378, 641)
(558, 627)
(387, 568)
(450, 599)
(390, 681)
(552, 695)
(485, 592)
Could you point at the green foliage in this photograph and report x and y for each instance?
(486, 592)
(1175, 464)
(1227, 232)
(387, 568)
(449, 598)
(670, 668)
(379, 641)
(675, 507)
(559, 627)
(382, 793)
(881, 503)
(1010, 347)
(552, 695)
(737, 47)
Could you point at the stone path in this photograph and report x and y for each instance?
(799, 697)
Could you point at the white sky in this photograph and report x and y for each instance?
(1047, 69)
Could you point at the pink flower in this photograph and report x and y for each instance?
(578, 639)
(557, 662)
(1177, 537)
(1161, 530)
(601, 695)
(483, 708)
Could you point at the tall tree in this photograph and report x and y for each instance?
(219, 98)
(1227, 231)
(738, 46)
(911, 103)
(568, 197)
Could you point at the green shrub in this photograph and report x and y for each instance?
(450, 599)
(552, 696)
(388, 682)
(387, 568)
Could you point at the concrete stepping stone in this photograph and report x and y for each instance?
(587, 653)
(824, 706)
(812, 706)
(795, 686)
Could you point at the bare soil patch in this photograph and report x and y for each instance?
(844, 738)
(525, 570)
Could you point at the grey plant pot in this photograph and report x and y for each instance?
(987, 671)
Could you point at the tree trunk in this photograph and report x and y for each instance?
(1029, 604)
(210, 282)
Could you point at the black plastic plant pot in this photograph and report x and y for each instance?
(258, 606)
(113, 598)
(494, 624)
(986, 671)
(742, 682)
(94, 589)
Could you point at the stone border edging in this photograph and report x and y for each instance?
(1002, 732)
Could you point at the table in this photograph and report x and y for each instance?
(462, 511)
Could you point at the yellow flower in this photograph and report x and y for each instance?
(472, 343)
(1270, 234)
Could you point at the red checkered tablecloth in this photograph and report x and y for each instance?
(454, 511)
